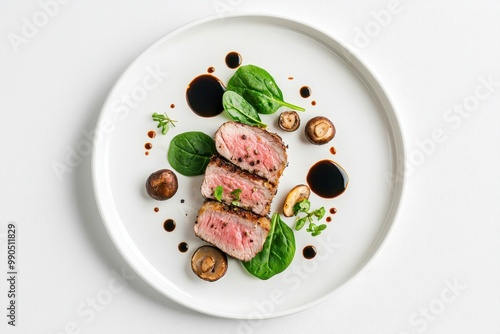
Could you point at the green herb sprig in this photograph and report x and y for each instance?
(163, 122)
(219, 192)
(304, 206)
(236, 196)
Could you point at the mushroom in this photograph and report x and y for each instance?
(320, 130)
(162, 184)
(289, 121)
(209, 263)
(297, 194)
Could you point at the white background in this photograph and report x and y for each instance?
(439, 271)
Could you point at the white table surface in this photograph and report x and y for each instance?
(439, 271)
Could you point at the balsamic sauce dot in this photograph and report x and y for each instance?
(151, 134)
(233, 59)
(183, 247)
(169, 225)
(327, 179)
(148, 146)
(204, 95)
(305, 92)
(309, 252)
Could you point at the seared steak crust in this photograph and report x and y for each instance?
(252, 160)
(237, 232)
(252, 149)
(256, 193)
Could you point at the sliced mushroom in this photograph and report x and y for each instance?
(289, 121)
(209, 263)
(162, 184)
(297, 194)
(320, 130)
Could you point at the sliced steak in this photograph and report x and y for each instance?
(238, 233)
(253, 149)
(256, 193)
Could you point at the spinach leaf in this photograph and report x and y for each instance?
(190, 152)
(258, 87)
(240, 110)
(277, 253)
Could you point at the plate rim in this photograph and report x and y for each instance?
(353, 62)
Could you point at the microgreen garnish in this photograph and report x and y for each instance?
(236, 196)
(163, 122)
(304, 206)
(218, 191)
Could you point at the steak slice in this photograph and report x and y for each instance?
(252, 149)
(238, 233)
(256, 193)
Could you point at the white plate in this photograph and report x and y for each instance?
(368, 143)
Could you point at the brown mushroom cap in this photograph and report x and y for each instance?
(162, 184)
(319, 130)
(209, 263)
(297, 194)
(289, 121)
